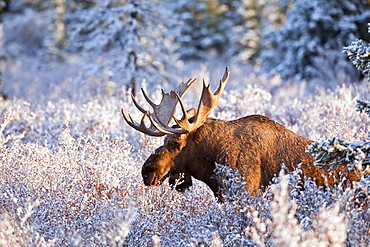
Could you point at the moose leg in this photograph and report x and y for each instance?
(213, 184)
(250, 168)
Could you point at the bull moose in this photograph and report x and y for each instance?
(255, 145)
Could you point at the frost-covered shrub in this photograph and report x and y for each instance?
(328, 226)
(70, 175)
(77, 188)
(325, 113)
(243, 217)
(174, 218)
(253, 100)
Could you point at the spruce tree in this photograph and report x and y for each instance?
(308, 44)
(336, 152)
(136, 37)
(200, 30)
(245, 34)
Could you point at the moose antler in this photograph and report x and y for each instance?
(208, 101)
(164, 112)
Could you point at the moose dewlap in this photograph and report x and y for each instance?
(255, 145)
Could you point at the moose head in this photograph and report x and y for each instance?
(171, 159)
(255, 145)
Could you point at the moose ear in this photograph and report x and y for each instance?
(182, 136)
(191, 112)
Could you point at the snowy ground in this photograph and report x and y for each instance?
(70, 168)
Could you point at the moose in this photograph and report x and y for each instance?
(255, 145)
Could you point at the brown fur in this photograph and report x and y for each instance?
(255, 145)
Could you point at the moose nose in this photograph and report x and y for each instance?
(153, 182)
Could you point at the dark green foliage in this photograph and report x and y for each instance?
(359, 53)
(363, 106)
(334, 151)
(4, 6)
(202, 29)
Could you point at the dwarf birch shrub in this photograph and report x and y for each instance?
(70, 175)
(80, 186)
(78, 182)
(287, 231)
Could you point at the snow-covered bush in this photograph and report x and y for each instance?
(359, 53)
(70, 175)
(363, 106)
(70, 166)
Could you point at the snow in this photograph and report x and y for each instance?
(70, 167)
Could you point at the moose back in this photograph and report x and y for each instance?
(255, 145)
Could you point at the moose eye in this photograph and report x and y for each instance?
(176, 146)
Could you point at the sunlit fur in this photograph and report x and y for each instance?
(255, 145)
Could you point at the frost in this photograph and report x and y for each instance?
(310, 39)
(138, 41)
(70, 166)
(70, 175)
(359, 53)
